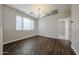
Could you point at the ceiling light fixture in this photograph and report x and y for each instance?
(39, 13)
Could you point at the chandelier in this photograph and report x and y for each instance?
(39, 13)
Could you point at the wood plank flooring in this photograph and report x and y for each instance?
(38, 45)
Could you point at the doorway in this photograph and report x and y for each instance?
(64, 29)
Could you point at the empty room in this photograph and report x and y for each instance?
(39, 29)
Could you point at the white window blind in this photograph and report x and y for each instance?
(18, 23)
(23, 23)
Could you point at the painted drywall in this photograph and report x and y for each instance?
(1, 29)
(75, 28)
(48, 26)
(10, 32)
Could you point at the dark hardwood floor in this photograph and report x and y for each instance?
(38, 45)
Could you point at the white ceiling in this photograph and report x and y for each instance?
(45, 8)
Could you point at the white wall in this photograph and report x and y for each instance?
(1, 28)
(10, 32)
(48, 26)
(75, 28)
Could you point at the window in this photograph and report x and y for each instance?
(26, 24)
(31, 23)
(18, 23)
(23, 23)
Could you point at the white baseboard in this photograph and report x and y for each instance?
(47, 36)
(17, 39)
(52, 37)
(74, 50)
